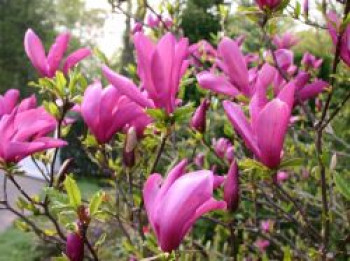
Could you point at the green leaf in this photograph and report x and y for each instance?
(291, 163)
(73, 191)
(60, 258)
(101, 240)
(95, 202)
(297, 10)
(343, 185)
(157, 114)
(183, 113)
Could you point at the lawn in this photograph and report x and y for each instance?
(16, 245)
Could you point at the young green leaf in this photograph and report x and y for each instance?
(73, 191)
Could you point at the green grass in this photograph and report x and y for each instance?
(16, 245)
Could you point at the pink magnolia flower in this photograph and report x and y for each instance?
(198, 121)
(106, 111)
(231, 187)
(282, 176)
(23, 132)
(137, 28)
(306, 8)
(262, 244)
(223, 148)
(48, 65)
(168, 22)
(266, 225)
(153, 21)
(264, 133)
(310, 61)
(333, 29)
(74, 247)
(269, 4)
(173, 205)
(160, 68)
(202, 50)
(236, 77)
(304, 89)
(8, 101)
(285, 41)
(199, 160)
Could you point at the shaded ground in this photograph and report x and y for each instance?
(30, 185)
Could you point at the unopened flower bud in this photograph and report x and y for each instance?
(199, 160)
(231, 187)
(282, 176)
(306, 8)
(198, 121)
(137, 28)
(74, 247)
(129, 147)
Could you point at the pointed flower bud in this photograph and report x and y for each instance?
(75, 247)
(129, 147)
(231, 187)
(198, 121)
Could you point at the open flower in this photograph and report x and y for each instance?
(23, 132)
(48, 65)
(106, 111)
(264, 133)
(233, 63)
(173, 205)
(333, 29)
(310, 61)
(160, 68)
(8, 101)
(285, 41)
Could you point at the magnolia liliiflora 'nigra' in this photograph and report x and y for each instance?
(174, 204)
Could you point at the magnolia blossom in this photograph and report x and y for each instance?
(270, 4)
(304, 88)
(8, 101)
(231, 187)
(75, 247)
(310, 61)
(333, 29)
(48, 65)
(106, 111)
(198, 121)
(160, 68)
(236, 77)
(266, 225)
(153, 21)
(264, 133)
(262, 244)
(286, 41)
(137, 28)
(282, 176)
(306, 8)
(202, 51)
(23, 131)
(173, 205)
(199, 160)
(223, 148)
